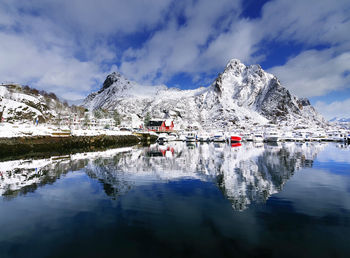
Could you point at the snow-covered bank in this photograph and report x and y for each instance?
(9, 130)
(32, 145)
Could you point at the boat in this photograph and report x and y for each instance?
(287, 136)
(191, 136)
(247, 137)
(163, 137)
(258, 137)
(218, 137)
(233, 138)
(336, 136)
(339, 136)
(272, 136)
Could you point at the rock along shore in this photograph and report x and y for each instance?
(64, 145)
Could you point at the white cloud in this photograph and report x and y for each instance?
(93, 17)
(339, 109)
(24, 61)
(63, 46)
(200, 47)
(181, 48)
(238, 42)
(315, 73)
(68, 46)
(311, 22)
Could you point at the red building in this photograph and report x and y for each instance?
(161, 125)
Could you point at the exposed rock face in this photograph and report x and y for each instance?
(241, 95)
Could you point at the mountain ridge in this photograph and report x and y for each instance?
(22, 103)
(240, 96)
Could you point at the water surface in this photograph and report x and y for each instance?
(179, 200)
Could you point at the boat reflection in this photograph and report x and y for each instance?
(245, 174)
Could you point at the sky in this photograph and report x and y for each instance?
(69, 46)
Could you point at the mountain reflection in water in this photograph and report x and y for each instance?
(245, 174)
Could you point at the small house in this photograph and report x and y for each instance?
(161, 125)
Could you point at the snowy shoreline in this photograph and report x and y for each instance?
(9, 130)
(31, 145)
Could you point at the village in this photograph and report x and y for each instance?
(92, 124)
(26, 111)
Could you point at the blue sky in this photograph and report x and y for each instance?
(69, 46)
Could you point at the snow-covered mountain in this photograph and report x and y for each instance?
(340, 119)
(241, 95)
(341, 122)
(19, 103)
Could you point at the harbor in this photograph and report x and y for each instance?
(267, 136)
(180, 129)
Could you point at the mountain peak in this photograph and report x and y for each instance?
(233, 62)
(235, 65)
(111, 79)
(240, 95)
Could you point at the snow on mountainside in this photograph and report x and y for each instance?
(19, 103)
(240, 96)
(341, 120)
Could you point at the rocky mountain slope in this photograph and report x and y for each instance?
(240, 96)
(19, 103)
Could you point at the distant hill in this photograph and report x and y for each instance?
(23, 103)
(341, 120)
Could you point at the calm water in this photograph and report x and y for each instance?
(178, 200)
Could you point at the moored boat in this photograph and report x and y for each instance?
(218, 137)
(191, 136)
(163, 137)
(287, 136)
(247, 137)
(233, 138)
(272, 136)
(258, 137)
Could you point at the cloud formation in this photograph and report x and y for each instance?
(194, 49)
(180, 48)
(69, 46)
(315, 73)
(63, 46)
(333, 109)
